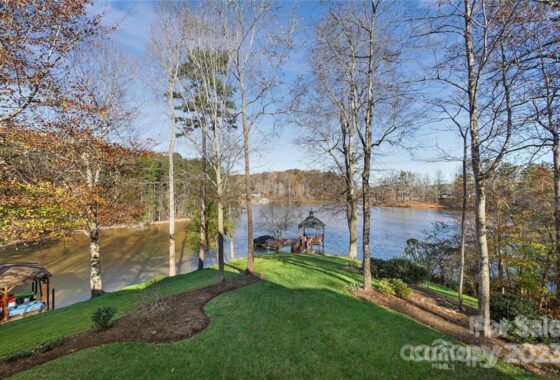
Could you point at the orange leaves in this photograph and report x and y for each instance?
(32, 212)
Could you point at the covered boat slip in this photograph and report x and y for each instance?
(313, 235)
(15, 306)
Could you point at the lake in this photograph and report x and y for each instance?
(133, 255)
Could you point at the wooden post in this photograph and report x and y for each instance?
(48, 293)
(323, 242)
(44, 292)
(5, 304)
(52, 299)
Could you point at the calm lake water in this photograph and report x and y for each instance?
(129, 256)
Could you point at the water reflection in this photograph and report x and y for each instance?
(132, 255)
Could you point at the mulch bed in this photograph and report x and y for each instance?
(443, 314)
(169, 319)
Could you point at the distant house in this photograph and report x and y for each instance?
(446, 195)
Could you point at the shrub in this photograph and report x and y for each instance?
(352, 268)
(103, 316)
(49, 345)
(404, 269)
(402, 290)
(152, 304)
(43, 347)
(20, 354)
(386, 287)
(510, 306)
(353, 287)
(467, 286)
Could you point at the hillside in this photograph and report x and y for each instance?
(300, 315)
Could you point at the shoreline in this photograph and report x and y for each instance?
(140, 225)
(103, 228)
(415, 205)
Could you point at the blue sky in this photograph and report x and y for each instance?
(133, 20)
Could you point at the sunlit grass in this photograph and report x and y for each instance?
(450, 293)
(300, 322)
(70, 320)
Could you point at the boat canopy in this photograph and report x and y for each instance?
(21, 273)
(311, 222)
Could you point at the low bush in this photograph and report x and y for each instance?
(353, 268)
(468, 288)
(386, 287)
(510, 306)
(43, 347)
(20, 354)
(402, 290)
(103, 316)
(49, 345)
(520, 317)
(353, 287)
(404, 269)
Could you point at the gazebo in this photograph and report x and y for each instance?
(314, 230)
(20, 305)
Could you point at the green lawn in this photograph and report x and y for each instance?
(66, 321)
(450, 293)
(299, 323)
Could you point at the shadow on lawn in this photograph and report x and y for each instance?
(247, 320)
(317, 263)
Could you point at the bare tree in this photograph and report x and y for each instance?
(278, 217)
(166, 46)
(463, 131)
(327, 110)
(378, 97)
(538, 38)
(257, 56)
(475, 62)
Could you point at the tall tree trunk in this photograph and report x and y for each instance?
(351, 202)
(221, 232)
(171, 151)
(484, 262)
(352, 218)
(202, 201)
(231, 241)
(247, 175)
(96, 284)
(367, 147)
(556, 155)
(366, 217)
(221, 241)
(463, 223)
(484, 270)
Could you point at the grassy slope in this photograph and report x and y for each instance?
(299, 323)
(450, 293)
(66, 321)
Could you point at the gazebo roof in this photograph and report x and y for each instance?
(311, 222)
(21, 273)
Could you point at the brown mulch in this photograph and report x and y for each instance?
(169, 319)
(443, 314)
